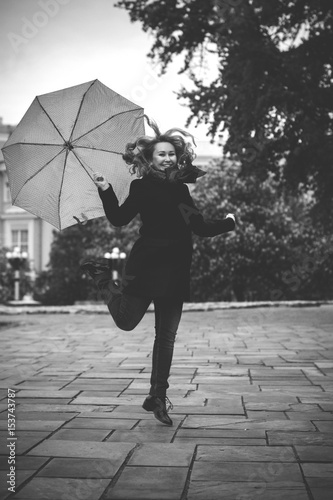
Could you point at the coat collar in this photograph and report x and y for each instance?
(186, 175)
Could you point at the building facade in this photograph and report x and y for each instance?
(19, 228)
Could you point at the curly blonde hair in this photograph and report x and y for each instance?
(139, 154)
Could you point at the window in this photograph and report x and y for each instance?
(7, 195)
(20, 239)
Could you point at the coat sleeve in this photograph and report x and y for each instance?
(196, 221)
(123, 214)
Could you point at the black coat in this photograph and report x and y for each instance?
(160, 260)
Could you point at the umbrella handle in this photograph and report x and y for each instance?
(82, 223)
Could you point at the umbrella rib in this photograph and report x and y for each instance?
(50, 119)
(98, 149)
(36, 173)
(105, 121)
(60, 190)
(79, 110)
(82, 165)
(32, 144)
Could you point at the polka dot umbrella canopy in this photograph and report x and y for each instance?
(61, 140)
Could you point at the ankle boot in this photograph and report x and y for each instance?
(158, 406)
(101, 273)
(98, 271)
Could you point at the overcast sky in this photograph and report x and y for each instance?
(46, 45)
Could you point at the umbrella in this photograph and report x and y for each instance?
(61, 140)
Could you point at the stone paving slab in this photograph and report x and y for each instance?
(253, 406)
(148, 435)
(100, 423)
(209, 422)
(149, 483)
(27, 416)
(286, 474)
(317, 470)
(80, 435)
(43, 401)
(315, 453)
(221, 441)
(323, 426)
(24, 462)
(163, 455)
(69, 408)
(218, 490)
(81, 449)
(299, 438)
(321, 487)
(36, 394)
(33, 425)
(82, 468)
(40, 488)
(313, 416)
(25, 440)
(121, 412)
(21, 477)
(221, 433)
(244, 454)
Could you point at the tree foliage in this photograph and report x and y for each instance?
(275, 253)
(63, 282)
(272, 94)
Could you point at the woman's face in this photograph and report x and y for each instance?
(164, 155)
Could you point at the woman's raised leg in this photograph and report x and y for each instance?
(127, 310)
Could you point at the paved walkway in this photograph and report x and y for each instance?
(252, 395)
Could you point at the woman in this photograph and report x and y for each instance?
(158, 267)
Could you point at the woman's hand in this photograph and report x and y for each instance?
(231, 216)
(100, 181)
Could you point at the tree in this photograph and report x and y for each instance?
(272, 95)
(63, 282)
(275, 252)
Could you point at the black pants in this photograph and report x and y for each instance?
(127, 312)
